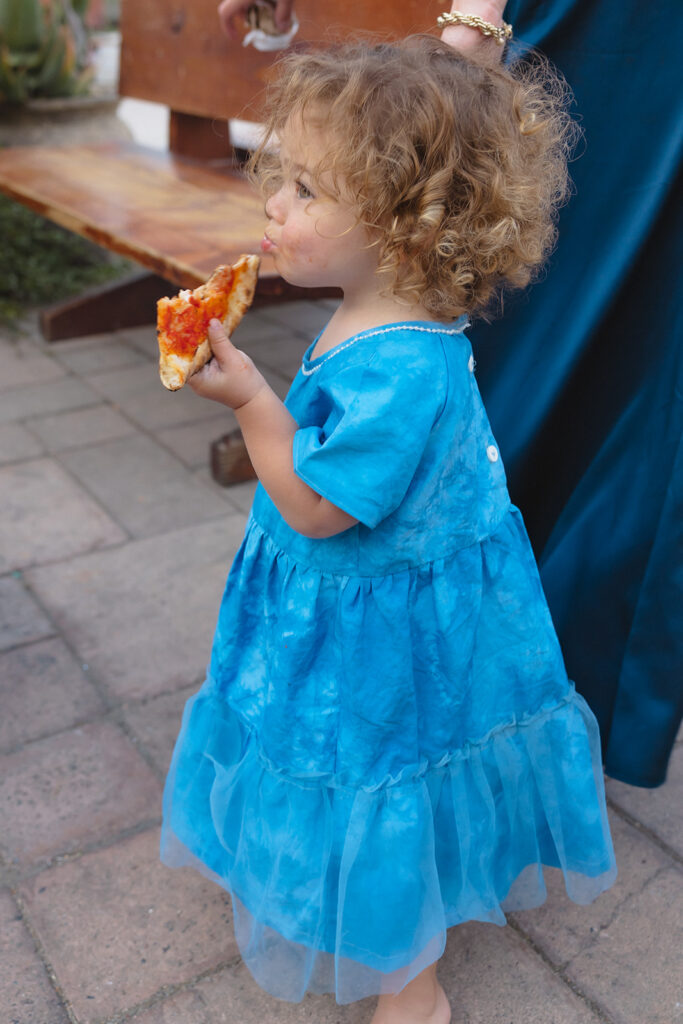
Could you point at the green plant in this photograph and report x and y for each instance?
(44, 49)
(42, 263)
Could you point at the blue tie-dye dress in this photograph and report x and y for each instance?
(387, 743)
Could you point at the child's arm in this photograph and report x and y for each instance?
(268, 429)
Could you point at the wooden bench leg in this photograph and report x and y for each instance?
(128, 302)
(230, 463)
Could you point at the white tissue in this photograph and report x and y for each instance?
(260, 40)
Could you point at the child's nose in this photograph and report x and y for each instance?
(275, 206)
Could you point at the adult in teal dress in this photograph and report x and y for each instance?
(583, 377)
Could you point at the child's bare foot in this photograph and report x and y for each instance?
(397, 1010)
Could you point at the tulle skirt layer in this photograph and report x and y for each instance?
(350, 890)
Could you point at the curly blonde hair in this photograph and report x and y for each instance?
(456, 167)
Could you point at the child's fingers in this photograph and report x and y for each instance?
(217, 335)
(221, 346)
(230, 376)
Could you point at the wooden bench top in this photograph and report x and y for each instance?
(177, 218)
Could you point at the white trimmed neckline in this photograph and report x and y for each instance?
(317, 364)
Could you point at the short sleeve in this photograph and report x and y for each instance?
(377, 417)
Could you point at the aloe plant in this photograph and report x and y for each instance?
(43, 49)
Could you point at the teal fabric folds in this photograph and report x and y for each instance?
(583, 377)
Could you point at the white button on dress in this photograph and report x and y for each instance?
(492, 453)
(470, 364)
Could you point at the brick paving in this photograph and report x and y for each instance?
(109, 525)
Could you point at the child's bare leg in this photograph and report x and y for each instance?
(422, 1001)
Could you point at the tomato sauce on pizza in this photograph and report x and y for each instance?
(183, 321)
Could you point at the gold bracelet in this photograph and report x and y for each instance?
(500, 33)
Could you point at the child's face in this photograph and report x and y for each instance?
(313, 235)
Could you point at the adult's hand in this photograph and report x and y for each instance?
(233, 12)
(470, 40)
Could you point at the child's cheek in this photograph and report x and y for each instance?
(303, 246)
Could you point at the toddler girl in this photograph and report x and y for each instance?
(387, 743)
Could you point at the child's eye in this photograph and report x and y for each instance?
(302, 191)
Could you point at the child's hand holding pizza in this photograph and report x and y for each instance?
(230, 377)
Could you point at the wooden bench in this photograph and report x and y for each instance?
(179, 213)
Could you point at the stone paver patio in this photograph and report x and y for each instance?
(114, 546)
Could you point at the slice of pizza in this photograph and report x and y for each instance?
(183, 321)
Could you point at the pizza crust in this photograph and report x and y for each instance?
(176, 368)
(174, 371)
